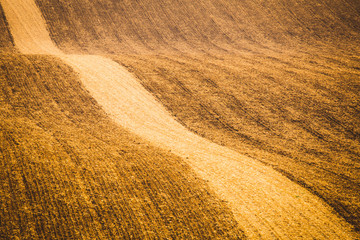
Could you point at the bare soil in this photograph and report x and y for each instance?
(249, 80)
(294, 114)
(67, 171)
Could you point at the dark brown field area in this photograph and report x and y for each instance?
(67, 171)
(6, 42)
(148, 26)
(275, 80)
(305, 123)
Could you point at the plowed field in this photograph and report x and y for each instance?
(217, 126)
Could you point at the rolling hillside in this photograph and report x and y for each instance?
(110, 26)
(248, 87)
(67, 171)
(305, 123)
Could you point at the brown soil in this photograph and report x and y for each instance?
(112, 26)
(6, 43)
(306, 129)
(274, 81)
(245, 184)
(67, 171)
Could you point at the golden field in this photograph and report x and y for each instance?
(306, 129)
(173, 127)
(67, 171)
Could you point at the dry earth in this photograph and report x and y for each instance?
(304, 124)
(203, 26)
(6, 44)
(67, 171)
(276, 80)
(265, 203)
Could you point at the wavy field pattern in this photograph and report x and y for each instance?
(69, 172)
(264, 203)
(295, 114)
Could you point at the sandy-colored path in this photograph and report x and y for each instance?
(266, 204)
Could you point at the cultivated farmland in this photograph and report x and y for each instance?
(190, 120)
(67, 171)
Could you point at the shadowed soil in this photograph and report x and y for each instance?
(6, 44)
(142, 26)
(306, 129)
(67, 171)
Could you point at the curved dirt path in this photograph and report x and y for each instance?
(266, 204)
